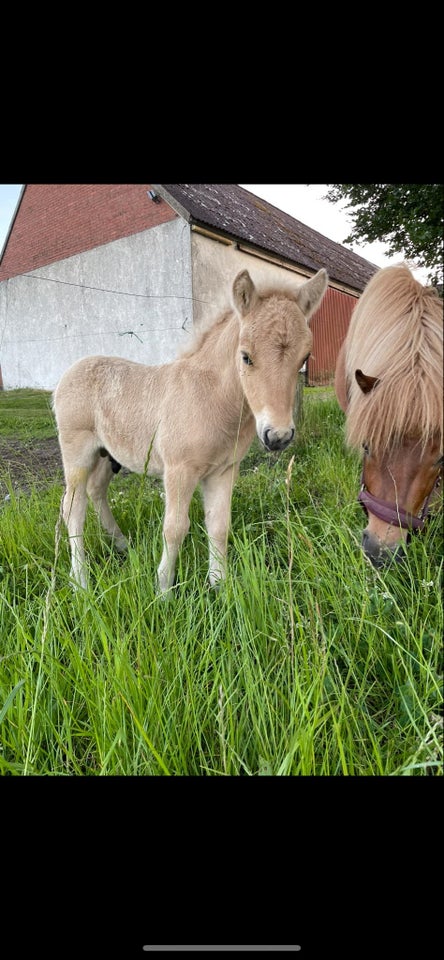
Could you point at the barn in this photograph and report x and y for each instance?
(132, 269)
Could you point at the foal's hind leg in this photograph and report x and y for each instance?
(74, 511)
(217, 492)
(80, 455)
(97, 486)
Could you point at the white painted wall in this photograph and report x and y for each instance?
(216, 264)
(130, 298)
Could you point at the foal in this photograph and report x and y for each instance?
(190, 421)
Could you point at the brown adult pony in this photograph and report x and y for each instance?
(190, 421)
(389, 382)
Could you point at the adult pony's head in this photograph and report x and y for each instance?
(389, 381)
(274, 342)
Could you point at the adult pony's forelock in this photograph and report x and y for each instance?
(395, 336)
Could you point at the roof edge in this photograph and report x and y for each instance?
(176, 206)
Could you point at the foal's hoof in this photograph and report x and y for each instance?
(121, 544)
(165, 595)
(216, 586)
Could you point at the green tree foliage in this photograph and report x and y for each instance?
(408, 216)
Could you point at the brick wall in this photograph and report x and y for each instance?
(58, 220)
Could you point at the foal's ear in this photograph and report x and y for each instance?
(244, 292)
(309, 295)
(365, 382)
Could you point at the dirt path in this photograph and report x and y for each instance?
(29, 463)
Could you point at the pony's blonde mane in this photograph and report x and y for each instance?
(395, 335)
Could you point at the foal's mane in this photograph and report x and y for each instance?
(200, 336)
(266, 287)
(395, 335)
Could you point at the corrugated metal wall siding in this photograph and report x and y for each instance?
(329, 326)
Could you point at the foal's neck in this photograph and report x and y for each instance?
(217, 357)
(217, 350)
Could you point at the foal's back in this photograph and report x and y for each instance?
(117, 405)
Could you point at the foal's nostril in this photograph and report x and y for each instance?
(276, 441)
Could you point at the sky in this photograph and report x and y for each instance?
(9, 194)
(302, 201)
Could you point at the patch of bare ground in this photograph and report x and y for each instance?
(25, 464)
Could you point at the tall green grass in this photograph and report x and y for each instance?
(308, 662)
(26, 414)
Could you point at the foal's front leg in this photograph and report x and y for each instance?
(179, 487)
(217, 492)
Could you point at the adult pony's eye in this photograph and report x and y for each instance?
(366, 448)
(246, 359)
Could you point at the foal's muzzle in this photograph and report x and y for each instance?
(277, 439)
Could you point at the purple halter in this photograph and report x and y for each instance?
(391, 512)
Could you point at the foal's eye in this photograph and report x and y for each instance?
(247, 359)
(366, 448)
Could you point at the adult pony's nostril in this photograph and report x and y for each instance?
(371, 549)
(365, 540)
(380, 554)
(398, 555)
(389, 556)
